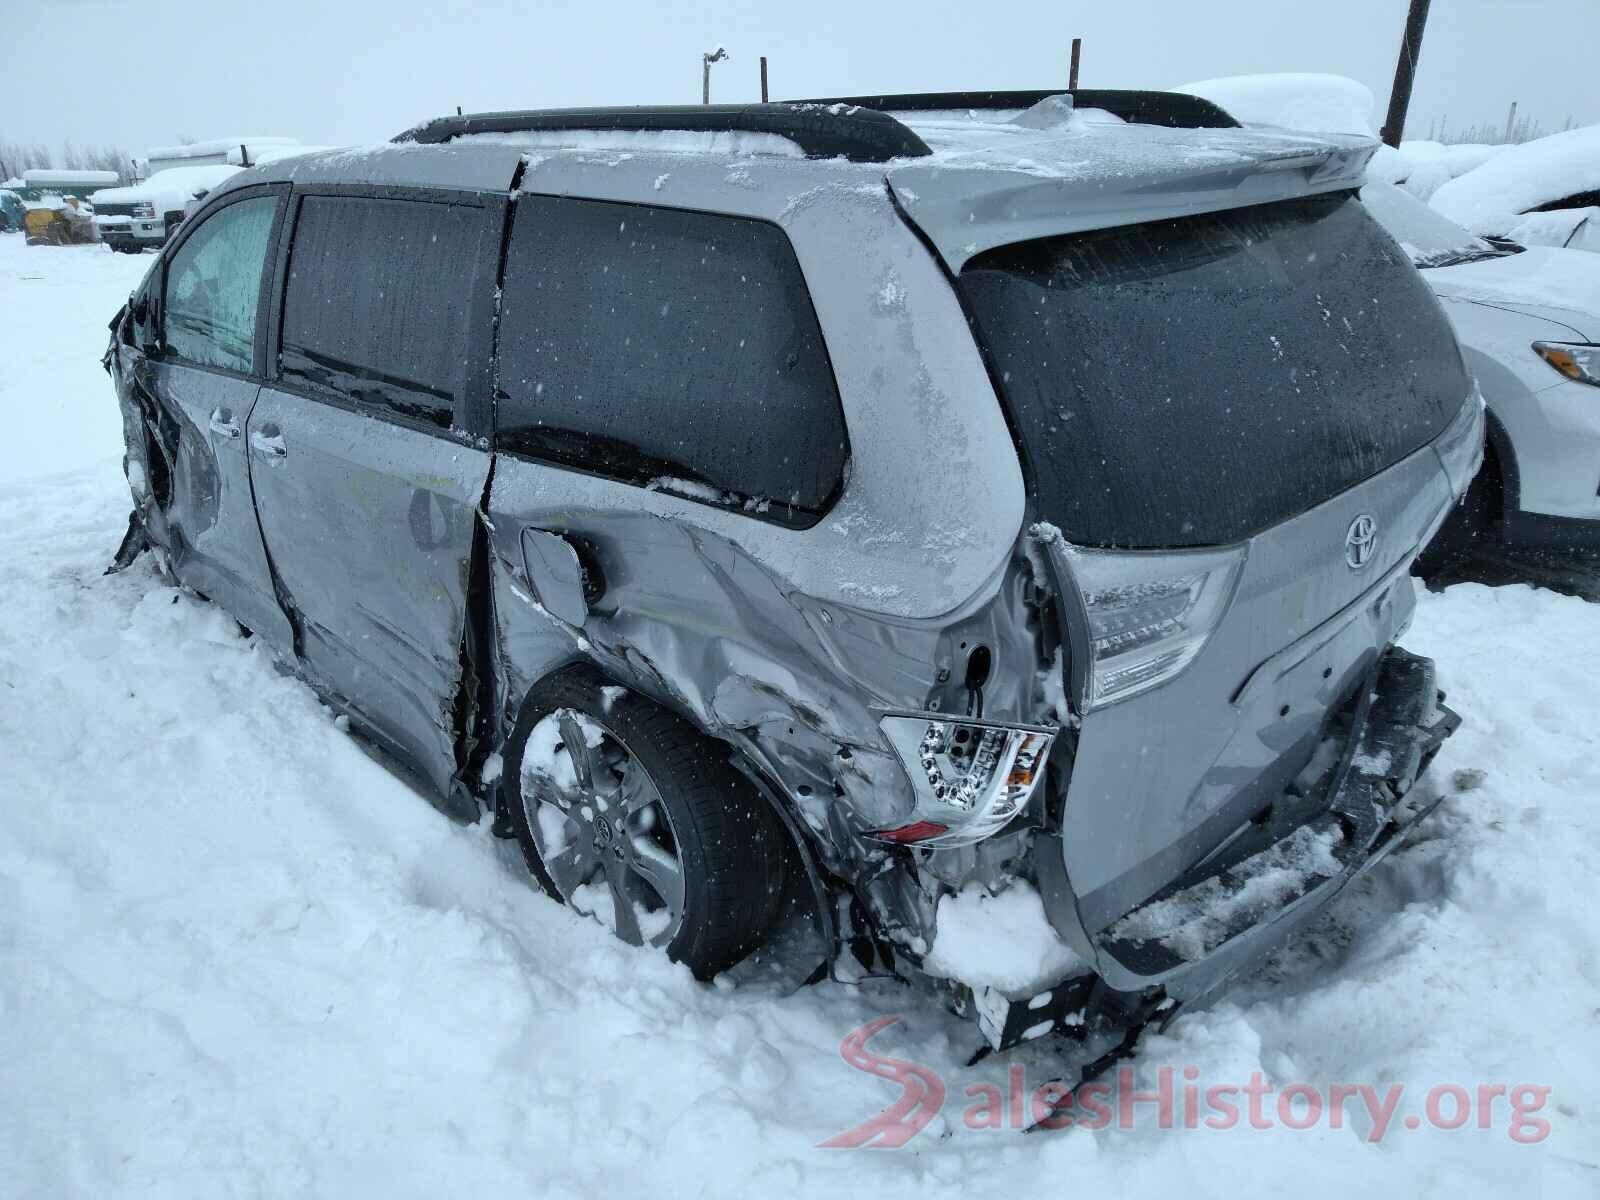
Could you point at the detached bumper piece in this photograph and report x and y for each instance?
(1304, 850)
(1006, 1022)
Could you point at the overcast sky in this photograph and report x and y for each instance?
(353, 71)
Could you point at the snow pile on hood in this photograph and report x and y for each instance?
(1307, 101)
(1541, 277)
(169, 189)
(1491, 198)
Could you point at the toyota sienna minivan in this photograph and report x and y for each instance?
(985, 517)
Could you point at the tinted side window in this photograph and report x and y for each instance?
(652, 344)
(214, 286)
(376, 305)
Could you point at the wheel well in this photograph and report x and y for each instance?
(1502, 483)
(762, 780)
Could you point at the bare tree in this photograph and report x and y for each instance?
(17, 157)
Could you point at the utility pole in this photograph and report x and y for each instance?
(711, 56)
(1511, 123)
(763, 79)
(1405, 71)
(1072, 71)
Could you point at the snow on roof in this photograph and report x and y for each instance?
(666, 141)
(216, 146)
(1490, 198)
(1308, 101)
(269, 154)
(49, 177)
(1424, 166)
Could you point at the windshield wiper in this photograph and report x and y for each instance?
(1454, 258)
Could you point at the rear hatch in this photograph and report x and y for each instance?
(1225, 420)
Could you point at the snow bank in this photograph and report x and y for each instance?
(58, 409)
(1307, 101)
(239, 958)
(1004, 942)
(1490, 198)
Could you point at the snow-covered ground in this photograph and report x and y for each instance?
(238, 958)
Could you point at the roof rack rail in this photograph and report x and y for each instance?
(1174, 109)
(820, 130)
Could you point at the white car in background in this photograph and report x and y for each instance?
(1528, 321)
(1542, 193)
(145, 214)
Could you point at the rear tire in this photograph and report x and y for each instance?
(729, 846)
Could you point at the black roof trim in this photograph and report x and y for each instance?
(821, 130)
(1174, 109)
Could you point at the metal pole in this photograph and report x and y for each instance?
(1405, 71)
(763, 79)
(1511, 123)
(1072, 72)
(711, 56)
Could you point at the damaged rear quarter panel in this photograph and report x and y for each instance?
(786, 642)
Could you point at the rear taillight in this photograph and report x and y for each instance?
(1148, 614)
(971, 777)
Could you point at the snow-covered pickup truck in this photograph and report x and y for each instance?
(145, 214)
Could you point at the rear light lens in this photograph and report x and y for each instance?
(1148, 614)
(970, 777)
(1579, 361)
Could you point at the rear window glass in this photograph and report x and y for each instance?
(671, 349)
(375, 311)
(1194, 381)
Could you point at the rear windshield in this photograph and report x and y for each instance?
(1194, 381)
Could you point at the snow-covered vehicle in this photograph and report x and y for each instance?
(1542, 193)
(1528, 321)
(145, 214)
(11, 211)
(946, 513)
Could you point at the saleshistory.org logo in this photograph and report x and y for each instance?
(1178, 1101)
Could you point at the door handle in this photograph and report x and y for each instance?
(221, 423)
(269, 445)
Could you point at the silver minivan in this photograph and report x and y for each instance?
(969, 529)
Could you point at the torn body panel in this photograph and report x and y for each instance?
(795, 686)
(370, 526)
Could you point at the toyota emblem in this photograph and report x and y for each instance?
(1359, 541)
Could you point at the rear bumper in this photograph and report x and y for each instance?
(1240, 904)
(1189, 943)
